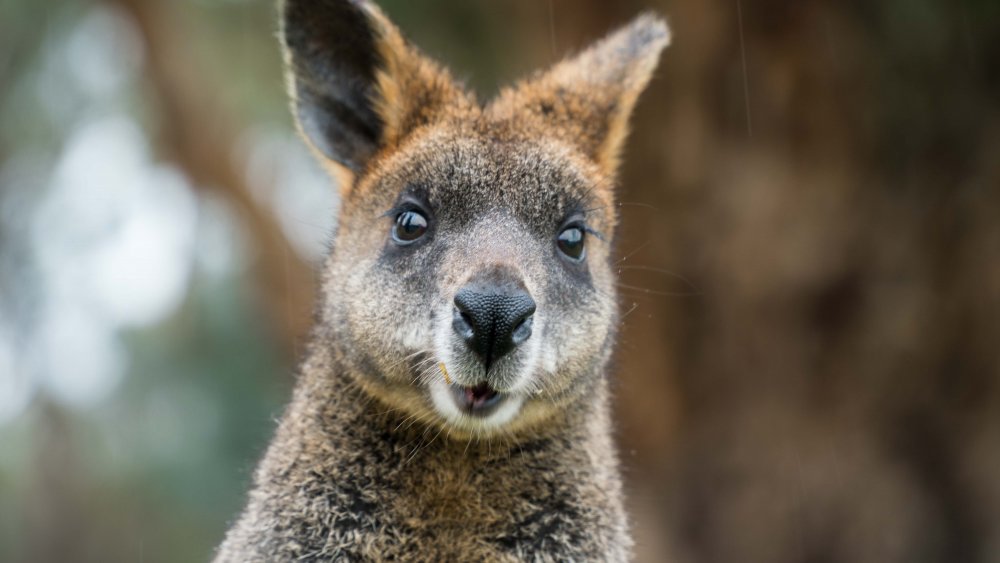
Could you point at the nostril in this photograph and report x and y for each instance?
(462, 324)
(522, 331)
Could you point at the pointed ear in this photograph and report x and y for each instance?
(357, 86)
(586, 100)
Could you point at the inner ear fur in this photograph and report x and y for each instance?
(357, 86)
(586, 100)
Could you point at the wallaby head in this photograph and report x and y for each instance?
(470, 283)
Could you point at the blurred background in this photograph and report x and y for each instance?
(809, 366)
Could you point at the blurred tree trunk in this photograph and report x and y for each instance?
(55, 520)
(199, 135)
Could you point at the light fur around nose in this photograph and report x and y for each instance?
(495, 243)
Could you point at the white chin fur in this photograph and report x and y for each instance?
(446, 407)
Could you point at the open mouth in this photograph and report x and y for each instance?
(480, 400)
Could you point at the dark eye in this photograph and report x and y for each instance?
(410, 225)
(570, 242)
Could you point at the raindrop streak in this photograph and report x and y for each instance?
(552, 28)
(746, 77)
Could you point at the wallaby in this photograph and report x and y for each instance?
(454, 403)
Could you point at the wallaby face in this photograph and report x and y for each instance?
(470, 286)
(482, 254)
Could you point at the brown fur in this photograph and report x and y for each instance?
(365, 463)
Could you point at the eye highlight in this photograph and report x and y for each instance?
(570, 242)
(410, 225)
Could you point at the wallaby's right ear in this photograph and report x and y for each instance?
(357, 85)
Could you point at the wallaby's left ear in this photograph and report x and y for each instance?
(357, 85)
(587, 100)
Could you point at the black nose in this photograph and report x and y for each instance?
(493, 316)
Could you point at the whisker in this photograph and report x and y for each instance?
(424, 446)
(426, 361)
(633, 253)
(661, 271)
(625, 204)
(635, 305)
(647, 291)
(409, 356)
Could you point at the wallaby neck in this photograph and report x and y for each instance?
(347, 476)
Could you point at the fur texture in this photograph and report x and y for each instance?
(372, 459)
